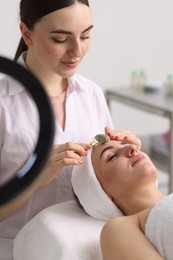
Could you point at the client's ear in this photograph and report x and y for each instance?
(26, 34)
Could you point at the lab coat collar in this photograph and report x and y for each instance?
(74, 83)
(15, 87)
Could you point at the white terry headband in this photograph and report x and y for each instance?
(90, 193)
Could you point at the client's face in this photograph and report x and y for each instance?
(121, 168)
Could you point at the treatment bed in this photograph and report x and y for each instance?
(61, 232)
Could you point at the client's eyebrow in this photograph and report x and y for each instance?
(105, 149)
(112, 147)
(68, 32)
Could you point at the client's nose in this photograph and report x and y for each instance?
(131, 150)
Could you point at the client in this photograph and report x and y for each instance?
(117, 179)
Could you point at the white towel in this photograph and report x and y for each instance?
(60, 232)
(159, 227)
(90, 193)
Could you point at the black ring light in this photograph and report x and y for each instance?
(39, 157)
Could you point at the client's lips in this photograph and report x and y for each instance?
(137, 158)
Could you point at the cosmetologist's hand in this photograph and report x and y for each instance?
(62, 155)
(119, 134)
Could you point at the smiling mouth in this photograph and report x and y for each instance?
(71, 63)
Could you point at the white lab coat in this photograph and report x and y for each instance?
(86, 115)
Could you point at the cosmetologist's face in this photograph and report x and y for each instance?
(62, 38)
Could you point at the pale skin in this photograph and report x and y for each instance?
(56, 46)
(128, 176)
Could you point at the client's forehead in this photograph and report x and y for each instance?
(101, 146)
(97, 150)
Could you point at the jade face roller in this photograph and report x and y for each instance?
(100, 138)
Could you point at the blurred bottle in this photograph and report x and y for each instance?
(168, 86)
(142, 79)
(138, 79)
(134, 80)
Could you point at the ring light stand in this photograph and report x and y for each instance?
(38, 158)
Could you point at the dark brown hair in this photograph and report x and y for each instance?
(31, 11)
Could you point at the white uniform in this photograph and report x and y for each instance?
(86, 115)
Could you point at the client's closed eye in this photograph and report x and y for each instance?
(112, 156)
